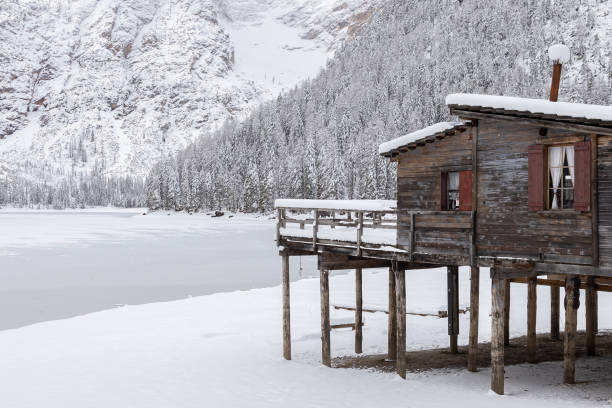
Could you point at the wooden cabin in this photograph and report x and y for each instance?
(522, 186)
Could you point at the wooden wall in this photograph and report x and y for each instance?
(418, 185)
(504, 225)
(604, 172)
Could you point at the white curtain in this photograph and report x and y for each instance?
(453, 180)
(555, 161)
(569, 153)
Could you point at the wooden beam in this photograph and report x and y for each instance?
(392, 324)
(452, 279)
(506, 312)
(572, 301)
(532, 307)
(474, 298)
(286, 310)
(552, 124)
(325, 324)
(565, 269)
(358, 311)
(591, 315)
(554, 312)
(594, 201)
(400, 300)
(497, 335)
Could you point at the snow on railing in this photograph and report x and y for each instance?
(371, 226)
(350, 216)
(344, 205)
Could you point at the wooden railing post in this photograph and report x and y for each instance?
(315, 229)
(359, 231)
(279, 214)
(411, 243)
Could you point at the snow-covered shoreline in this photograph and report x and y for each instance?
(224, 350)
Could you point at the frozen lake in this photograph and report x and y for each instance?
(58, 264)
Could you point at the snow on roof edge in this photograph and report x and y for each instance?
(417, 135)
(347, 205)
(536, 106)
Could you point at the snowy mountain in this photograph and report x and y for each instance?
(108, 87)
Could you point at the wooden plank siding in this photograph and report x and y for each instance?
(419, 186)
(506, 227)
(604, 173)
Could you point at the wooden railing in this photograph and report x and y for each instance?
(419, 236)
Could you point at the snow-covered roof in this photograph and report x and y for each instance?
(533, 107)
(346, 205)
(421, 134)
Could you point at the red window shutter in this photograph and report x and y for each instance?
(537, 172)
(465, 190)
(582, 176)
(443, 192)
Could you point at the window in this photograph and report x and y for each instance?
(560, 177)
(456, 190)
(452, 190)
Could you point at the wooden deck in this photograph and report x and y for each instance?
(428, 237)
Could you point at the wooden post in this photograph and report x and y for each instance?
(554, 312)
(358, 311)
(532, 307)
(400, 301)
(497, 335)
(452, 274)
(572, 301)
(325, 325)
(359, 231)
(507, 312)
(474, 295)
(591, 306)
(392, 326)
(315, 230)
(286, 310)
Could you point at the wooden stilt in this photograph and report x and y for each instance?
(453, 306)
(358, 311)
(591, 306)
(532, 306)
(325, 325)
(400, 290)
(286, 310)
(497, 335)
(507, 312)
(572, 301)
(474, 295)
(554, 312)
(392, 327)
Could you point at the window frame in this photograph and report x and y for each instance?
(548, 180)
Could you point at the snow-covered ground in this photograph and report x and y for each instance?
(224, 350)
(57, 264)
